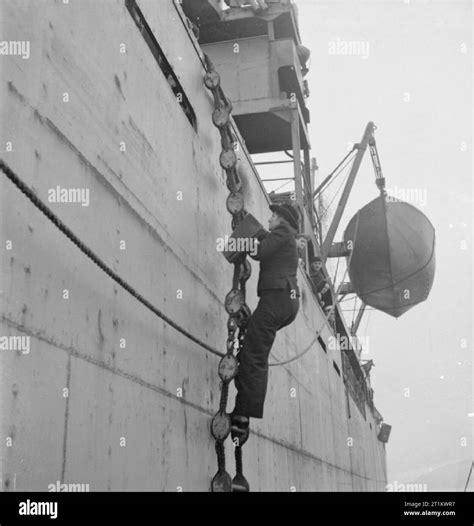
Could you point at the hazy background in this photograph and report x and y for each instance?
(415, 83)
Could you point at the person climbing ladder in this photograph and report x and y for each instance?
(277, 308)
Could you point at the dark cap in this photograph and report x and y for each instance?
(315, 259)
(288, 212)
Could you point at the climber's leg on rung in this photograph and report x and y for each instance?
(275, 310)
(251, 380)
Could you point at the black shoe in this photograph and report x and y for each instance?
(239, 429)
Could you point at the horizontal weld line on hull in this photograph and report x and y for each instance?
(160, 390)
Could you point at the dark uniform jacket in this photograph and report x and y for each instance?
(318, 280)
(278, 258)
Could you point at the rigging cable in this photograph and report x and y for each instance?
(283, 185)
(328, 178)
(337, 269)
(326, 209)
(368, 319)
(339, 172)
(468, 477)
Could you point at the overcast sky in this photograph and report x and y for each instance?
(412, 77)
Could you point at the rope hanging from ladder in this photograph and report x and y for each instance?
(239, 312)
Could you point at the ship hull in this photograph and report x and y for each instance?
(109, 394)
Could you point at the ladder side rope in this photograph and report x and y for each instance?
(28, 192)
(331, 310)
(235, 305)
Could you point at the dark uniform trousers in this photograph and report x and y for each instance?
(275, 310)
